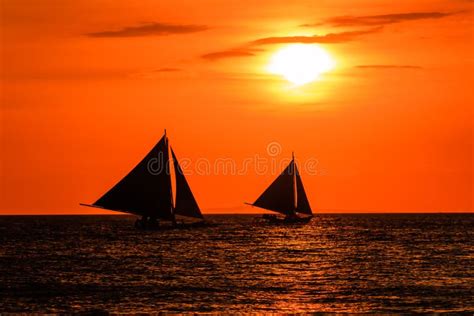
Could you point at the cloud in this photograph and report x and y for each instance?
(382, 19)
(376, 21)
(250, 49)
(158, 73)
(329, 38)
(151, 29)
(167, 69)
(389, 67)
(232, 53)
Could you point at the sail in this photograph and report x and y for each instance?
(146, 190)
(186, 204)
(302, 203)
(280, 195)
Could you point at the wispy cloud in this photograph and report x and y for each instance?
(388, 67)
(167, 69)
(329, 38)
(376, 21)
(251, 48)
(381, 19)
(151, 29)
(232, 53)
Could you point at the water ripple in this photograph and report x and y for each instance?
(338, 263)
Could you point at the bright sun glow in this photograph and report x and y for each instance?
(300, 63)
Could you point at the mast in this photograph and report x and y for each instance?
(295, 192)
(302, 203)
(185, 203)
(172, 206)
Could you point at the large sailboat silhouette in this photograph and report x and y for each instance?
(286, 195)
(147, 190)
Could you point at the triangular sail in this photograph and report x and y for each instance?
(280, 195)
(186, 204)
(146, 190)
(302, 203)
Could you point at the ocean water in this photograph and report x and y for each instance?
(337, 263)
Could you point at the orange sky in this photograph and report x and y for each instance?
(89, 86)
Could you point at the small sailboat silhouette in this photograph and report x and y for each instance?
(286, 195)
(147, 190)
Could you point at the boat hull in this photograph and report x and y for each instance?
(168, 226)
(285, 221)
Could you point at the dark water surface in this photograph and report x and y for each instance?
(337, 263)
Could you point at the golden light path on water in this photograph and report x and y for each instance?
(346, 263)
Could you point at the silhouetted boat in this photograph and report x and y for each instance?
(147, 191)
(286, 195)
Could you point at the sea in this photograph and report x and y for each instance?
(341, 263)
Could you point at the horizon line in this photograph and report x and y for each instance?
(241, 213)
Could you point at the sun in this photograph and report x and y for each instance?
(300, 63)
